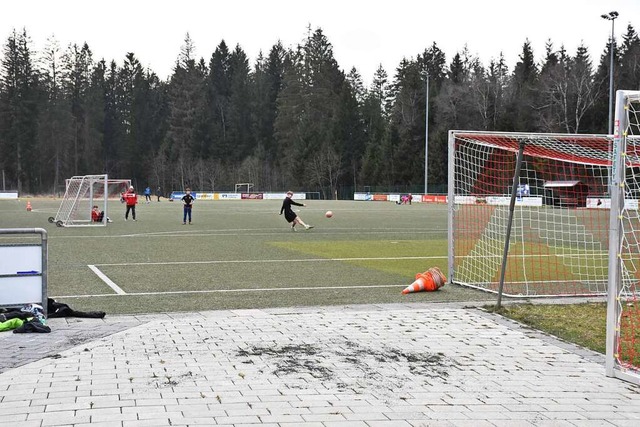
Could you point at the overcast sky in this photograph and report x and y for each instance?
(364, 34)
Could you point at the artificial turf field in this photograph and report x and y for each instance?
(240, 255)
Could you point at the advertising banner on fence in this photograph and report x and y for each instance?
(433, 198)
(177, 195)
(252, 196)
(229, 196)
(8, 195)
(602, 203)
(497, 200)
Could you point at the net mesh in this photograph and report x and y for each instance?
(559, 235)
(628, 320)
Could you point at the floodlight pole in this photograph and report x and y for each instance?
(611, 16)
(426, 136)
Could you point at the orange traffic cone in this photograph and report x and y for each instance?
(430, 280)
(28, 206)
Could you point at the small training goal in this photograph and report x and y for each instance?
(244, 187)
(84, 192)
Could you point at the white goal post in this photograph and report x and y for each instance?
(623, 301)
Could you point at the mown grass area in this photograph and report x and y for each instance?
(582, 324)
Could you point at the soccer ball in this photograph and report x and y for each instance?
(328, 214)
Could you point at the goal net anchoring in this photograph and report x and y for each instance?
(82, 193)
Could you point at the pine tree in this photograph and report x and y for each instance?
(19, 99)
(375, 121)
(186, 100)
(55, 125)
(239, 110)
(217, 144)
(630, 60)
(521, 98)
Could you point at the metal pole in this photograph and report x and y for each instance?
(611, 16)
(426, 137)
(512, 203)
(451, 190)
(611, 48)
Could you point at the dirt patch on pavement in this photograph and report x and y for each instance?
(349, 364)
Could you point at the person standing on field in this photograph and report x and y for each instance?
(147, 194)
(187, 203)
(131, 199)
(159, 192)
(290, 215)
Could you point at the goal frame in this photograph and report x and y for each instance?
(248, 187)
(75, 200)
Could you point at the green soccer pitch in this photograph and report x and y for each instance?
(241, 255)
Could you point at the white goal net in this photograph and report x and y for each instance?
(574, 222)
(559, 232)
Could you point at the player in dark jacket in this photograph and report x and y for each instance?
(187, 202)
(290, 215)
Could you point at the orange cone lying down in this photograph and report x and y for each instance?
(28, 206)
(430, 280)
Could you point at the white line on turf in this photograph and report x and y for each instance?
(118, 290)
(260, 261)
(212, 291)
(280, 231)
(267, 261)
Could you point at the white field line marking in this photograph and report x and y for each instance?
(212, 291)
(206, 233)
(267, 261)
(118, 290)
(260, 261)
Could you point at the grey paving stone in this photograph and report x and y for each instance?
(370, 365)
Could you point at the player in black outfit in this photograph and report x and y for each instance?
(290, 215)
(187, 202)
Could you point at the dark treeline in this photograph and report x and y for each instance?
(291, 120)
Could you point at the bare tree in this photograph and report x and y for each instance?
(325, 170)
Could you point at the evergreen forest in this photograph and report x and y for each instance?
(290, 119)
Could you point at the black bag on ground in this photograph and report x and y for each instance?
(58, 309)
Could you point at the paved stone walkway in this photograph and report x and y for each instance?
(368, 366)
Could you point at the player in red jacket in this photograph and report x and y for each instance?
(97, 215)
(131, 199)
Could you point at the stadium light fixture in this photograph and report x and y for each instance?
(611, 16)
